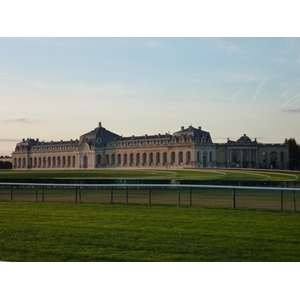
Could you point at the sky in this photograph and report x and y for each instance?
(60, 88)
(147, 67)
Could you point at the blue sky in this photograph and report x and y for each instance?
(60, 88)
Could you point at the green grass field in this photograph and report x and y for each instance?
(182, 175)
(118, 232)
(58, 229)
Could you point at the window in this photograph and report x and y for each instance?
(151, 158)
(180, 157)
(188, 157)
(173, 158)
(165, 160)
(158, 158)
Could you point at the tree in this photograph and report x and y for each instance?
(294, 153)
(5, 165)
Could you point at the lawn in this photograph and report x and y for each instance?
(182, 175)
(119, 232)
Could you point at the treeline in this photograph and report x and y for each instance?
(294, 153)
(5, 165)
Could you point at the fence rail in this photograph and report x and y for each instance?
(209, 195)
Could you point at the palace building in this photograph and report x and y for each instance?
(188, 148)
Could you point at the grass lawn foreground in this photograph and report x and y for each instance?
(118, 232)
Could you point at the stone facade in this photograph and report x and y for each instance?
(187, 148)
(6, 158)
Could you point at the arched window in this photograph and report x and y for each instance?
(273, 159)
(151, 158)
(40, 162)
(53, 161)
(180, 157)
(158, 158)
(173, 158)
(204, 159)
(30, 163)
(63, 161)
(138, 159)
(85, 162)
(58, 161)
(69, 161)
(107, 159)
(124, 159)
(210, 156)
(198, 156)
(24, 162)
(188, 157)
(235, 156)
(113, 159)
(99, 159)
(144, 158)
(165, 158)
(265, 156)
(73, 163)
(131, 159)
(282, 157)
(119, 159)
(49, 162)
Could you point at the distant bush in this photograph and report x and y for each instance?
(5, 165)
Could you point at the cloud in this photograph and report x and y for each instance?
(231, 48)
(290, 100)
(9, 140)
(26, 78)
(283, 95)
(291, 110)
(20, 120)
(234, 97)
(259, 88)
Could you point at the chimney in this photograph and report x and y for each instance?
(182, 128)
(199, 128)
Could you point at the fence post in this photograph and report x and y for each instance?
(150, 194)
(80, 188)
(111, 194)
(11, 193)
(233, 199)
(126, 194)
(178, 196)
(76, 194)
(43, 194)
(281, 201)
(294, 195)
(190, 196)
(36, 195)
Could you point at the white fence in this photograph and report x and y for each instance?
(206, 195)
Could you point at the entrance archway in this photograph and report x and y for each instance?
(204, 161)
(85, 161)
